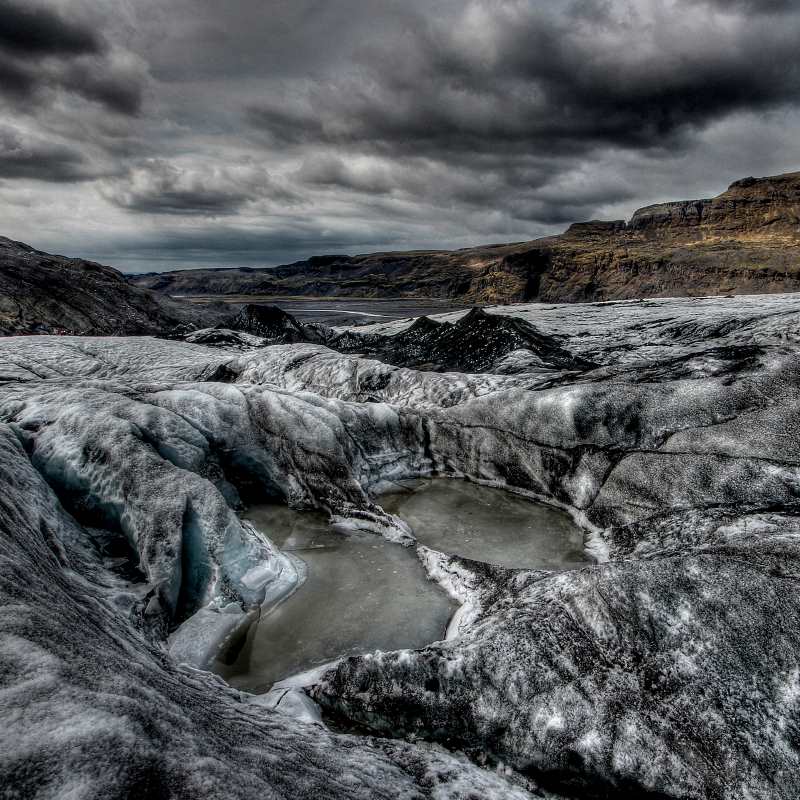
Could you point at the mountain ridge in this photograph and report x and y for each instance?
(746, 240)
(46, 293)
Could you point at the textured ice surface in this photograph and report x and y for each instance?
(92, 709)
(623, 329)
(672, 668)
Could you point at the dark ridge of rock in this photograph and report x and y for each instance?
(270, 322)
(44, 293)
(275, 326)
(351, 341)
(746, 240)
(475, 343)
(221, 337)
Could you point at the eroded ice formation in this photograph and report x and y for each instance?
(670, 667)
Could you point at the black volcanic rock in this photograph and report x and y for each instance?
(222, 337)
(475, 343)
(270, 322)
(44, 293)
(275, 325)
(253, 327)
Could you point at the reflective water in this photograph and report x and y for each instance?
(363, 593)
(487, 524)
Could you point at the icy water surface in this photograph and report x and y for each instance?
(487, 524)
(362, 593)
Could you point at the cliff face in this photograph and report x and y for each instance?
(746, 240)
(43, 293)
(750, 206)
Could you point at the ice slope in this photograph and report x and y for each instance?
(670, 668)
(92, 709)
(620, 330)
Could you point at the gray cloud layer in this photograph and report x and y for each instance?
(251, 132)
(43, 52)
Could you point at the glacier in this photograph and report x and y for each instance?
(668, 668)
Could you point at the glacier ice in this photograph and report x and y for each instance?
(669, 668)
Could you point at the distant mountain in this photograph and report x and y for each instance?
(44, 293)
(746, 240)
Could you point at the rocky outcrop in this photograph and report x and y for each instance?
(745, 241)
(749, 206)
(254, 327)
(275, 326)
(44, 293)
(476, 342)
(268, 322)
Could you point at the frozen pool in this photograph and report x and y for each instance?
(488, 524)
(363, 593)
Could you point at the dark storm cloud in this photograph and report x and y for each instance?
(325, 169)
(562, 82)
(293, 127)
(34, 31)
(756, 6)
(157, 186)
(26, 157)
(521, 187)
(118, 88)
(238, 40)
(16, 81)
(43, 52)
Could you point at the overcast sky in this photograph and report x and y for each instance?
(158, 134)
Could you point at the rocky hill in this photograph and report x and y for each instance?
(477, 342)
(44, 293)
(746, 240)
